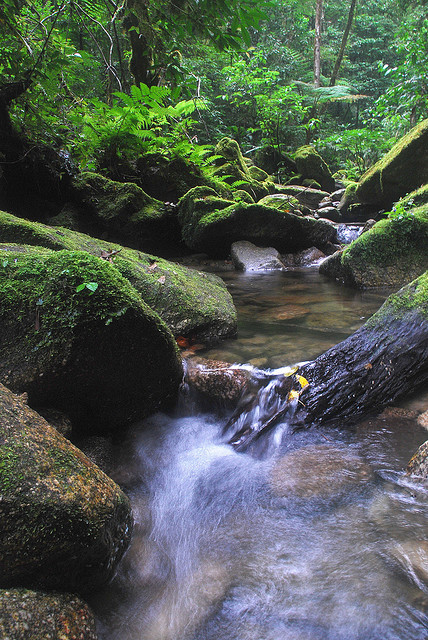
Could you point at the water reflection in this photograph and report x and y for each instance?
(286, 317)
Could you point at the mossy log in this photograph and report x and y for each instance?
(382, 361)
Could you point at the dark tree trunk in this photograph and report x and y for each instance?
(384, 360)
(345, 36)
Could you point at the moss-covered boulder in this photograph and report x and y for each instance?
(123, 211)
(311, 166)
(235, 171)
(403, 169)
(392, 252)
(77, 336)
(36, 615)
(193, 304)
(64, 523)
(215, 232)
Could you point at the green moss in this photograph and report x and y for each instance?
(403, 168)
(311, 165)
(393, 252)
(189, 302)
(415, 198)
(411, 298)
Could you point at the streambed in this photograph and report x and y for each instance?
(322, 539)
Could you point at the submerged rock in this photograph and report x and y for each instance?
(318, 471)
(64, 523)
(403, 169)
(391, 253)
(35, 615)
(247, 257)
(77, 336)
(191, 303)
(411, 559)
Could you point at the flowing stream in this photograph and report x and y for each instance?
(323, 538)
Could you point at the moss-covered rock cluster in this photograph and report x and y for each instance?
(392, 252)
(123, 211)
(215, 229)
(234, 171)
(65, 524)
(77, 336)
(191, 303)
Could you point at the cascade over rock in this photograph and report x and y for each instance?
(385, 359)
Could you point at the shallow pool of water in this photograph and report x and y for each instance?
(290, 316)
(325, 539)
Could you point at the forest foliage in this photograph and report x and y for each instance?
(105, 79)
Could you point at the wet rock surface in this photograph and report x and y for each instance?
(35, 615)
(65, 524)
(247, 257)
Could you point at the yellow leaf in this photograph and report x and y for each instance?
(291, 371)
(292, 395)
(303, 381)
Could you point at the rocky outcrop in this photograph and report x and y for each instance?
(65, 524)
(193, 304)
(306, 196)
(215, 383)
(311, 166)
(247, 257)
(78, 337)
(403, 169)
(35, 615)
(392, 252)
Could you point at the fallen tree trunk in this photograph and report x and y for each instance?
(385, 359)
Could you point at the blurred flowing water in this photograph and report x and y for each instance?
(325, 538)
